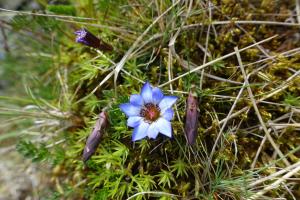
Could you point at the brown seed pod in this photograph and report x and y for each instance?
(191, 120)
(95, 137)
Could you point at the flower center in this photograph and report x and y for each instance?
(150, 112)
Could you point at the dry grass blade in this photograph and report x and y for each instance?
(45, 15)
(121, 63)
(223, 126)
(277, 183)
(272, 23)
(272, 176)
(259, 150)
(216, 60)
(251, 96)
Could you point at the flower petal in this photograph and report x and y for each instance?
(167, 102)
(134, 121)
(130, 110)
(164, 127)
(136, 99)
(80, 35)
(140, 131)
(157, 95)
(147, 92)
(152, 131)
(168, 114)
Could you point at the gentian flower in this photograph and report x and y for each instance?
(149, 113)
(87, 38)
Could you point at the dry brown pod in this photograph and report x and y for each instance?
(191, 118)
(95, 137)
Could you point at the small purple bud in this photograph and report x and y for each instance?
(191, 120)
(95, 137)
(87, 38)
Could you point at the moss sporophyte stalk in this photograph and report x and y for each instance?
(149, 113)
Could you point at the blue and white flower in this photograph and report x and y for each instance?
(149, 113)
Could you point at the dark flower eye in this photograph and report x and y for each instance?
(191, 120)
(95, 137)
(87, 38)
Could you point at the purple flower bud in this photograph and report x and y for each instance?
(87, 38)
(191, 120)
(94, 138)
